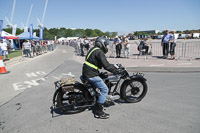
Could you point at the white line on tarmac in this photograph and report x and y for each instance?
(157, 65)
(132, 66)
(184, 64)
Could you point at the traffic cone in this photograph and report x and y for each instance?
(2, 67)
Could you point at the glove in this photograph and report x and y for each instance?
(118, 66)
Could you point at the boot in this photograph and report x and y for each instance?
(100, 113)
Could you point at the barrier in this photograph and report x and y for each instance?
(192, 50)
(183, 50)
(2, 67)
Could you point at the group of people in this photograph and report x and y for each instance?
(118, 45)
(82, 45)
(37, 47)
(168, 43)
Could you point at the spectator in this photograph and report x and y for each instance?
(49, 45)
(39, 48)
(173, 38)
(118, 46)
(8, 45)
(143, 45)
(165, 44)
(44, 46)
(34, 48)
(4, 49)
(82, 46)
(87, 45)
(27, 48)
(52, 45)
(126, 44)
(78, 46)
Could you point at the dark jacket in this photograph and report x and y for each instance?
(97, 58)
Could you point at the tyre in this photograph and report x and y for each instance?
(72, 102)
(134, 90)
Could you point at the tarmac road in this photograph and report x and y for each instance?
(171, 104)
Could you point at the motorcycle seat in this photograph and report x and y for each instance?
(84, 79)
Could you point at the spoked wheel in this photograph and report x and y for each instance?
(72, 102)
(134, 91)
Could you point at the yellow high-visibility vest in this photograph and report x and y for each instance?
(90, 64)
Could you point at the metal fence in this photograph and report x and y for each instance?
(183, 50)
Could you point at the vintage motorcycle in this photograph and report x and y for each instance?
(76, 97)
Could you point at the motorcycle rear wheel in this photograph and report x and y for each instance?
(134, 91)
(72, 102)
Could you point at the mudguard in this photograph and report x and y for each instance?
(138, 77)
(55, 94)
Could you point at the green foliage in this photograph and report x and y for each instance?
(63, 32)
(14, 54)
(9, 30)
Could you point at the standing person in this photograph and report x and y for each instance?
(118, 46)
(82, 46)
(165, 44)
(126, 44)
(94, 61)
(49, 45)
(27, 48)
(35, 50)
(78, 46)
(4, 49)
(173, 38)
(8, 45)
(87, 44)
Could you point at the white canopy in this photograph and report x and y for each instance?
(61, 39)
(7, 35)
(72, 38)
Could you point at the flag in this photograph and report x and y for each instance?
(1, 26)
(41, 33)
(14, 29)
(31, 31)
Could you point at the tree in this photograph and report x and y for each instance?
(107, 34)
(19, 31)
(9, 30)
(78, 33)
(89, 32)
(98, 32)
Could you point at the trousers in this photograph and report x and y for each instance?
(98, 83)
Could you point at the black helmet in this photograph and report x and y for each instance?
(102, 44)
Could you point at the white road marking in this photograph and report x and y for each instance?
(64, 51)
(63, 74)
(157, 65)
(28, 84)
(68, 74)
(184, 64)
(18, 86)
(32, 74)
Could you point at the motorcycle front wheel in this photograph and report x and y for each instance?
(72, 102)
(134, 90)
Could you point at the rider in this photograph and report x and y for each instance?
(94, 61)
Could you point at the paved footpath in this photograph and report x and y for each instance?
(153, 64)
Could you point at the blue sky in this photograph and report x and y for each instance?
(107, 15)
